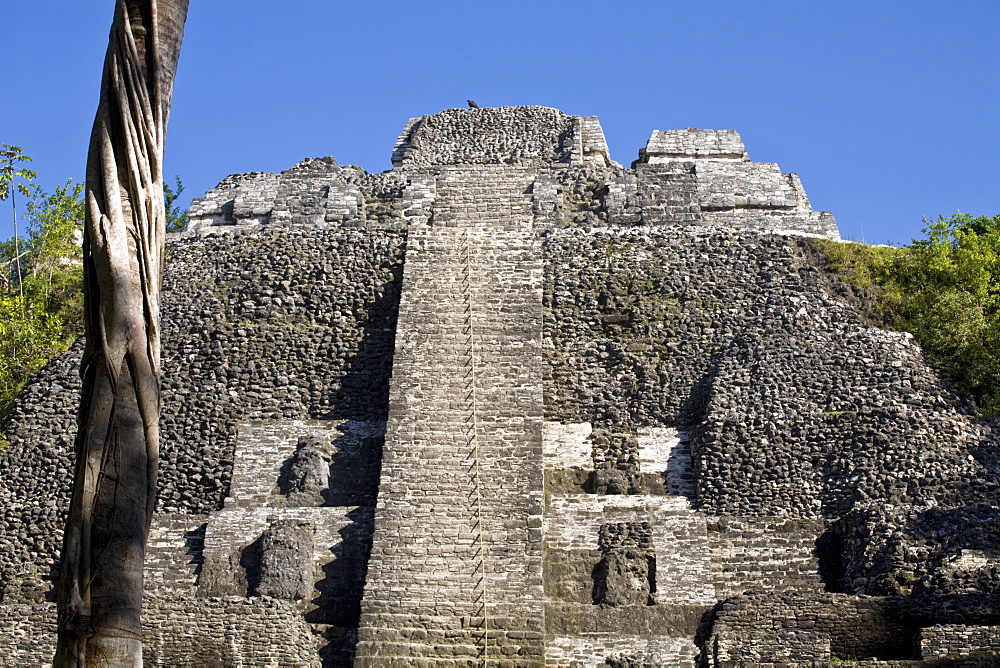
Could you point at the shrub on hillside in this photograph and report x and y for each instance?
(945, 290)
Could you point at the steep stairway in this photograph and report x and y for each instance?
(455, 575)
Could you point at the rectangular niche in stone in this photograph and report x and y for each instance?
(626, 574)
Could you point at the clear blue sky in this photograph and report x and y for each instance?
(888, 110)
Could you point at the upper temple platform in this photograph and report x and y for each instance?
(501, 135)
(688, 177)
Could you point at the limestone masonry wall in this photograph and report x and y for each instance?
(669, 145)
(510, 403)
(183, 632)
(960, 641)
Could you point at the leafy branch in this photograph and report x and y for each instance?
(177, 219)
(10, 156)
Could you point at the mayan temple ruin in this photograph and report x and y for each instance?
(511, 403)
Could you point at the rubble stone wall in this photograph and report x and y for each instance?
(282, 324)
(504, 135)
(795, 407)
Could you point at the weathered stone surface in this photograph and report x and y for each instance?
(916, 550)
(501, 135)
(614, 481)
(306, 474)
(286, 555)
(181, 631)
(625, 577)
(356, 371)
(622, 649)
(961, 641)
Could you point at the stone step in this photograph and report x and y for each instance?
(399, 661)
(447, 649)
(505, 615)
(451, 649)
(468, 346)
(594, 649)
(437, 636)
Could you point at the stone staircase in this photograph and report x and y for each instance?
(174, 554)
(455, 575)
(488, 196)
(471, 446)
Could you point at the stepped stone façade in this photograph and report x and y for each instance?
(510, 403)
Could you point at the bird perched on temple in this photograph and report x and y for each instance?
(472, 104)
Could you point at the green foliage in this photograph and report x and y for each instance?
(10, 156)
(947, 294)
(945, 290)
(177, 220)
(41, 309)
(867, 266)
(29, 337)
(55, 256)
(41, 278)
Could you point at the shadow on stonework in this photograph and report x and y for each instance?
(830, 554)
(987, 451)
(678, 479)
(703, 635)
(363, 393)
(337, 604)
(694, 409)
(691, 419)
(250, 562)
(354, 471)
(194, 542)
(884, 631)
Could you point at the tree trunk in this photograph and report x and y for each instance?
(117, 443)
